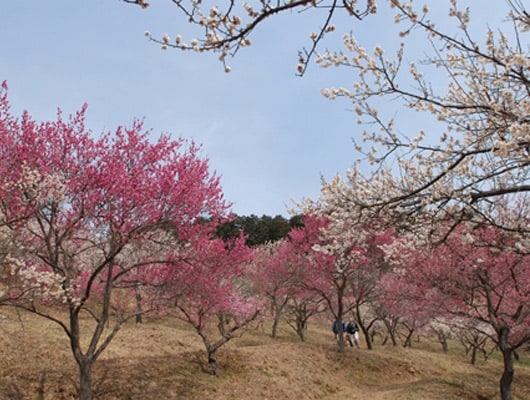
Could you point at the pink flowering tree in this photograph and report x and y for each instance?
(207, 289)
(93, 210)
(303, 306)
(352, 255)
(417, 313)
(368, 267)
(480, 277)
(280, 276)
(274, 278)
(405, 307)
(471, 335)
(304, 302)
(326, 274)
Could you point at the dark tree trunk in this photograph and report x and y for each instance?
(368, 339)
(40, 390)
(362, 327)
(84, 362)
(473, 355)
(275, 323)
(340, 341)
(442, 338)
(300, 329)
(226, 325)
(393, 338)
(139, 311)
(212, 362)
(277, 307)
(391, 328)
(85, 381)
(507, 375)
(507, 356)
(408, 339)
(340, 333)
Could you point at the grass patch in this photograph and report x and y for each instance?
(164, 359)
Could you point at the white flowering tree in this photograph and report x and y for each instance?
(228, 28)
(475, 148)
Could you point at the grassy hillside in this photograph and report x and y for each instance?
(163, 359)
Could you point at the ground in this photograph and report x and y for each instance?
(164, 359)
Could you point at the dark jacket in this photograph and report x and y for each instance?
(335, 329)
(352, 328)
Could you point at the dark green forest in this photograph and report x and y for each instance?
(259, 230)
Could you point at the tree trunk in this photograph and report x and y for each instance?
(277, 307)
(408, 339)
(84, 362)
(85, 381)
(393, 338)
(275, 323)
(368, 339)
(363, 327)
(442, 338)
(507, 356)
(40, 390)
(341, 341)
(473, 355)
(507, 374)
(139, 311)
(390, 327)
(212, 361)
(300, 329)
(340, 333)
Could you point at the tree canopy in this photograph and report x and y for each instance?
(81, 217)
(259, 230)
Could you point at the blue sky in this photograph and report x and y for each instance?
(268, 133)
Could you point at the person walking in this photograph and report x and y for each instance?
(353, 333)
(336, 329)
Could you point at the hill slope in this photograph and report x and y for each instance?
(163, 359)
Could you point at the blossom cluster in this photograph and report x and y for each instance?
(225, 30)
(482, 151)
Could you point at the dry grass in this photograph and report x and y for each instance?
(163, 359)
